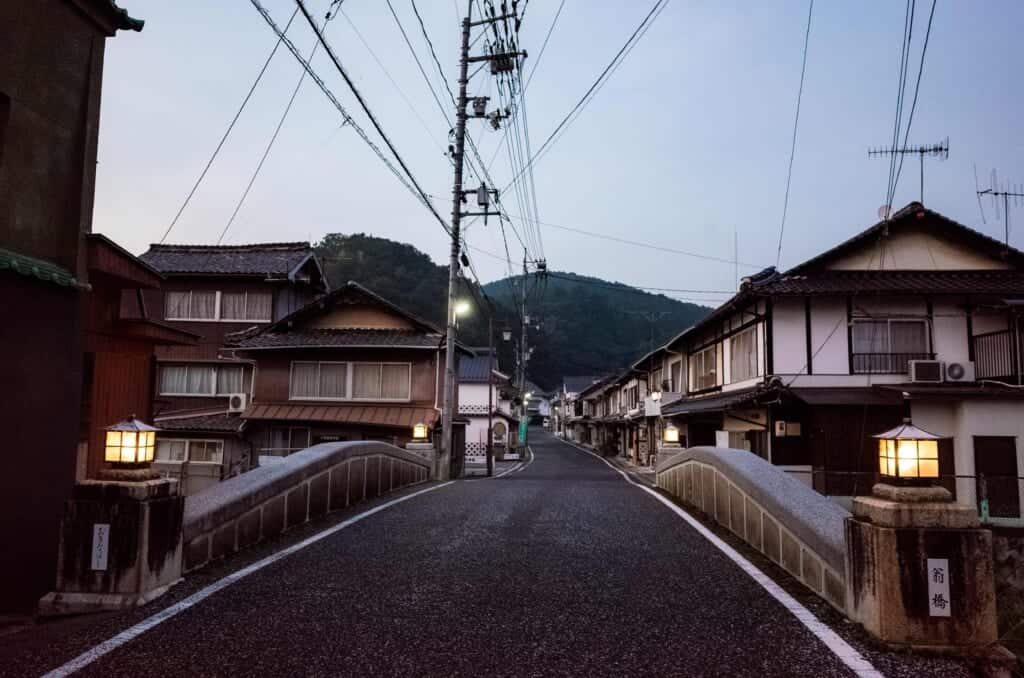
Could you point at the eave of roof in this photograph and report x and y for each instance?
(39, 269)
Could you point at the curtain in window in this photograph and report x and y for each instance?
(304, 380)
(205, 451)
(677, 376)
(170, 450)
(229, 380)
(870, 336)
(200, 380)
(176, 305)
(395, 382)
(258, 306)
(908, 337)
(232, 306)
(173, 379)
(279, 438)
(332, 380)
(743, 356)
(366, 381)
(204, 306)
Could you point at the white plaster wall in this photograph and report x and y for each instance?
(828, 317)
(915, 249)
(949, 329)
(473, 394)
(789, 336)
(964, 420)
(989, 322)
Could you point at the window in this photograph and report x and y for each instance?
(886, 346)
(192, 451)
(743, 355)
(676, 376)
(246, 306)
(213, 305)
(377, 381)
(284, 440)
(201, 380)
(704, 369)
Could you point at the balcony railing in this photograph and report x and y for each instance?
(886, 363)
(993, 355)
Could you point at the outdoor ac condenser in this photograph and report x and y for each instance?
(237, 402)
(927, 371)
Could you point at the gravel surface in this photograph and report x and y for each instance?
(560, 569)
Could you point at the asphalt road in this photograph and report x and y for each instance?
(563, 568)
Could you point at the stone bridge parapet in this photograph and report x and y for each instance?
(266, 501)
(794, 526)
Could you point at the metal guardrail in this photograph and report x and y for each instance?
(886, 363)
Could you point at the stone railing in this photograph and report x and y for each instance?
(783, 518)
(266, 501)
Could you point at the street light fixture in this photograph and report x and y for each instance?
(655, 396)
(462, 307)
(130, 442)
(908, 453)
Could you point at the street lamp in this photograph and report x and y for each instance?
(420, 432)
(655, 396)
(908, 453)
(506, 335)
(130, 442)
(671, 435)
(462, 307)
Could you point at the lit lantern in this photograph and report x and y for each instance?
(670, 435)
(655, 396)
(506, 335)
(420, 432)
(908, 453)
(130, 442)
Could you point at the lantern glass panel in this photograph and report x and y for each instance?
(929, 468)
(928, 449)
(113, 439)
(112, 453)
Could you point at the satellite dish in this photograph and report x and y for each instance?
(884, 211)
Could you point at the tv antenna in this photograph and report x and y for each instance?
(997, 191)
(939, 150)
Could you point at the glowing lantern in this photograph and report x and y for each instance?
(907, 452)
(130, 442)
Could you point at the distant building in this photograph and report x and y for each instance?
(202, 390)
(348, 366)
(478, 375)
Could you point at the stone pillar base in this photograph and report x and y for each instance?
(920, 572)
(120, 546)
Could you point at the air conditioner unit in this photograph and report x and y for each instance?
(237, 402)
(960, 371)
(927, 371)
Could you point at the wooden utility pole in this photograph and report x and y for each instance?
(490, 393)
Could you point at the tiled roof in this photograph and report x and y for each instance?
(216, 423)
(266, 259)
(998, 282)
(394, 416)
(38, 269)
(334, 338)
(475, 369)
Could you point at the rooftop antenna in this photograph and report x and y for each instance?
(939, 150)
(1006, 192)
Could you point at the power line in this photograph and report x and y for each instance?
(600, 78)
(544, 46)
(401, 93)
(637, 243)
(231, 126)
(796, 122)
(341, 109)
(415, 57)
(430, 45)
(369, 113)
(917, 86)
(908, 31)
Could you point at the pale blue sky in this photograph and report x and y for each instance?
(687, 141)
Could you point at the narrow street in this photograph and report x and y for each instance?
(560, 569)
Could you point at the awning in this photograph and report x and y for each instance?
(393, 416)
(965, 391)
(219, 422)
(846, 396)
(715, 403)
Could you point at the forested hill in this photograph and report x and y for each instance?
(587, 325)
(590, 326)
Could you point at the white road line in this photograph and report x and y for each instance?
(126, 636)
(839, 647)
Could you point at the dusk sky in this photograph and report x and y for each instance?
(688, 140)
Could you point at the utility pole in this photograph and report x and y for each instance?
(499, 62)
(940, 150)
(490, 393)
(524, 356)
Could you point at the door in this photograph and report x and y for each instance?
(995, 469)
